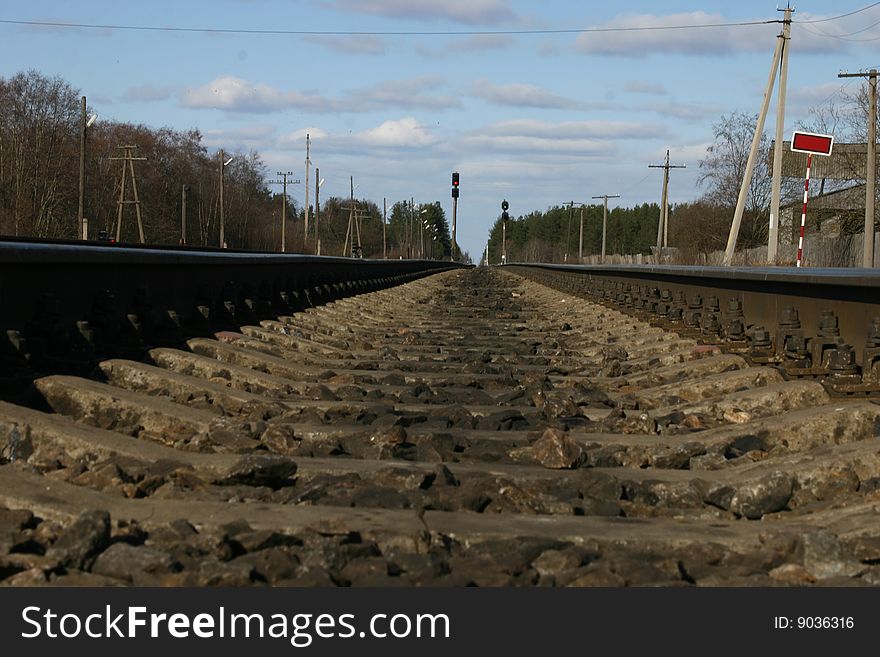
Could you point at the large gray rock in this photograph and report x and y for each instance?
(765, 495)
(825, 556)
(78, 545)
(132, 563)
(271, 470)
(555, 450)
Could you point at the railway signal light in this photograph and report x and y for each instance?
(455, 184)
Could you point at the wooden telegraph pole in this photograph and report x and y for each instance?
(753, 155)
(183, 191)
(571, 205)
(504, 219)
(85, 124)
(605, 198)
(775, 191)
(284, 183)
(223, 164)
(870, 168)
(306, 215)
(317, 209)
(662, 227)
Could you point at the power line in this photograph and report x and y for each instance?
(864, 29)
(275, 32)
(834, 18)
(844, 37)
(264, 31)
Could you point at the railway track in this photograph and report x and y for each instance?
(473, 427)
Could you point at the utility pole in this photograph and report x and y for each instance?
(581, 240)
(773, 234)
(568, 232)
(753, 155)
(353, 227)
(605, 198)
(384, 236)
(223, 164)
(82, 172)
(318, 182)
(571, 205)
(284, 182)
(504, 218)
(306, 215)
(349, 231)
(183, 191)
(128, 160)
(222, 217)
(662, 227)
(870, 165)
(284, 207)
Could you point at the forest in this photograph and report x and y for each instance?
(41, 123)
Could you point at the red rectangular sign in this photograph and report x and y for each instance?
(807, 142)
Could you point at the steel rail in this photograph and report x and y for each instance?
(814, 322)
(54, 294)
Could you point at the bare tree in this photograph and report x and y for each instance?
(38, 117)
(723, 169)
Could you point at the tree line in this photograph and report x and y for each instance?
(40, 130)
(554, 234)
(40, 121)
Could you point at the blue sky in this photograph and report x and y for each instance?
(539, 119)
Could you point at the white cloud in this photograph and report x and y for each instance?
(834, 36)
(473, 43)
(685, 111)
(313, 132)
(404, 93)
(482, 42)
(238, 95)
(528, 144)
(693, 40)
(403, 133)
(148, 93)
(575, 129)
(683, 154)
(243, 138)
(517, 94)
(815, 95)
(641, 87)
(576, 139)
(470, 12)
(351, 45)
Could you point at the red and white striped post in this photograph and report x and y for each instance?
(800, 253)
(809, 143)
